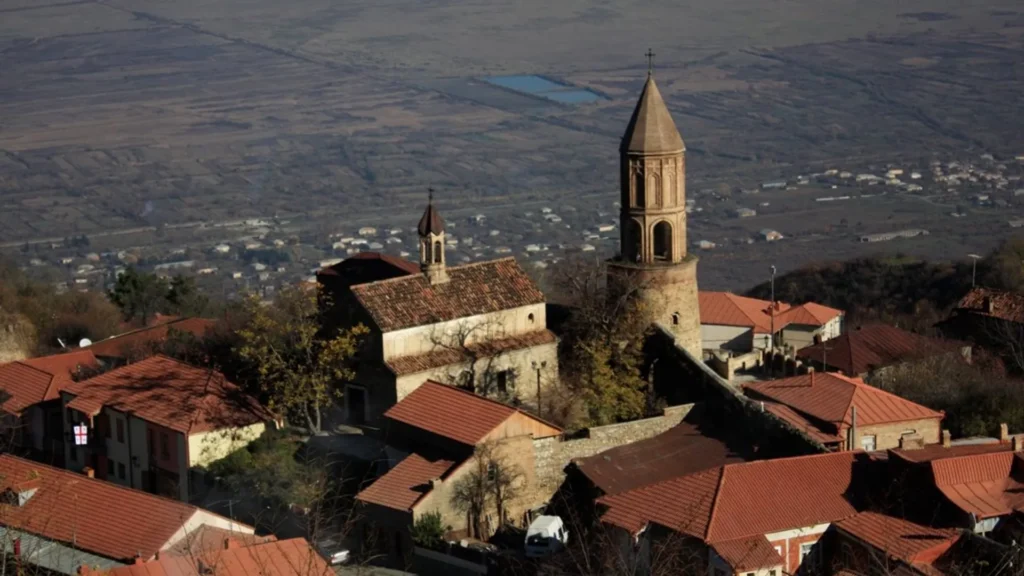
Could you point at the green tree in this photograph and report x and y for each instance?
(184, 297)
(139, 295)
(428, 530)
(298, 368)
(271, 467)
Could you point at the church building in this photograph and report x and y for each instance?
(653, 263)
(479, 326)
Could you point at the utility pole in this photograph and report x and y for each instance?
(538, 368)
(974, 267)
(771, 312)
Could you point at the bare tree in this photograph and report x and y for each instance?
(479, 359)
(493, 483)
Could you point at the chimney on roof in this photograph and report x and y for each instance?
(1018, 443)
(911, 442)
(1004, 433)
(947, 439)
(986, 305)
(812, 377)
(230, 543)
(138, 558)
(852, 442)
(88, 471)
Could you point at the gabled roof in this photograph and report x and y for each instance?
(938, 451)
(864, 349)
(742, 500)
(171, 394)
(28, 382)
(471, 289)
(293, 557)
(403, 486)
(898, 538)
(401, 365)
(981, 484)
(369, 267)
(681, 450)
(728, 309)
(995, 303)
(143, 339)
(206, 538)
(651, 129)
(830, 397)
(456, 414)
(748, 553)
(95, 516)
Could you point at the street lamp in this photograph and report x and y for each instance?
(538, 367)
(974, 267)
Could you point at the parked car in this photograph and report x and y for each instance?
(545, 536)
(332, 551)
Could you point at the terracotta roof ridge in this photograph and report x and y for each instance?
(1008, 454)
(715, 500)
(861, 385)
(146, 328)
(450, 268)
(52, 376)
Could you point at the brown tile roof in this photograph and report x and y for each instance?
(861, 350)
(651, 128)
(370, 267)
(802, 423)
(144, 339)
(431, 221)
(830, 397)
(981, 484)
(403, 486)
(938, 451)
(1000, 304)
(293, 557)
(402, 365)
(728, 309)
(97, 516)
(171, 394)
(679, 451)
(472, 289)
(898, 538)
(748, 553)
(742, 500)
(28, 382)
(453, 413)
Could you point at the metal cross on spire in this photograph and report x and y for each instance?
(650, 61)
(430, 195)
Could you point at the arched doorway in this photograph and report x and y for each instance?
(663, 241)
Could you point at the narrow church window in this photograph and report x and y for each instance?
(675, 319)
(530, 317)
(655, 190)
(663, 241)
(638, 188)
(437, 252)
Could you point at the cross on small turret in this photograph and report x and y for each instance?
(430, 195)
(650, 61)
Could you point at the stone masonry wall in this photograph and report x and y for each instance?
(554, 454)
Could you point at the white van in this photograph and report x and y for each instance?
(546, 535)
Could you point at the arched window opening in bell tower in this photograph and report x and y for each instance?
(675, 318)
(633, 243)
(654, 188)
(638, 190)
(437, 252)
(663, 241)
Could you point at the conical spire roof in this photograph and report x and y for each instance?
(431, 222)
(651, 129)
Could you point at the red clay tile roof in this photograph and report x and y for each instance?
(293, 557)
(727, 309)
(28, 382)
(898, 538)
(143, 339)
(97, 516)
(1003, 305)
(748, 553)
(679, 451)
(403, 486)
(859, 351)
(981, 484)
(208, 538)
(938, 451)
(171, 394)
(402, 365)
(830, 397)
(453, 413)
(742, 500)
(472, 289)
(800, 422)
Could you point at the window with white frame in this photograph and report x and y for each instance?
(807, 552)
(867, 443)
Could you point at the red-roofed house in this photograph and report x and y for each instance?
(482, 326)
(845, 413)
(864, 351)
(153, 422)
(64, 520)
(758, 517)
(143, 342)
(436, 432)
(30, 401)
(292, 557)
(741, 324)
(874, 543)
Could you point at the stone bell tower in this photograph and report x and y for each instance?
(431, 231)
(652, 258)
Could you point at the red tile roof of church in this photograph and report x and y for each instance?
(472, 289)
